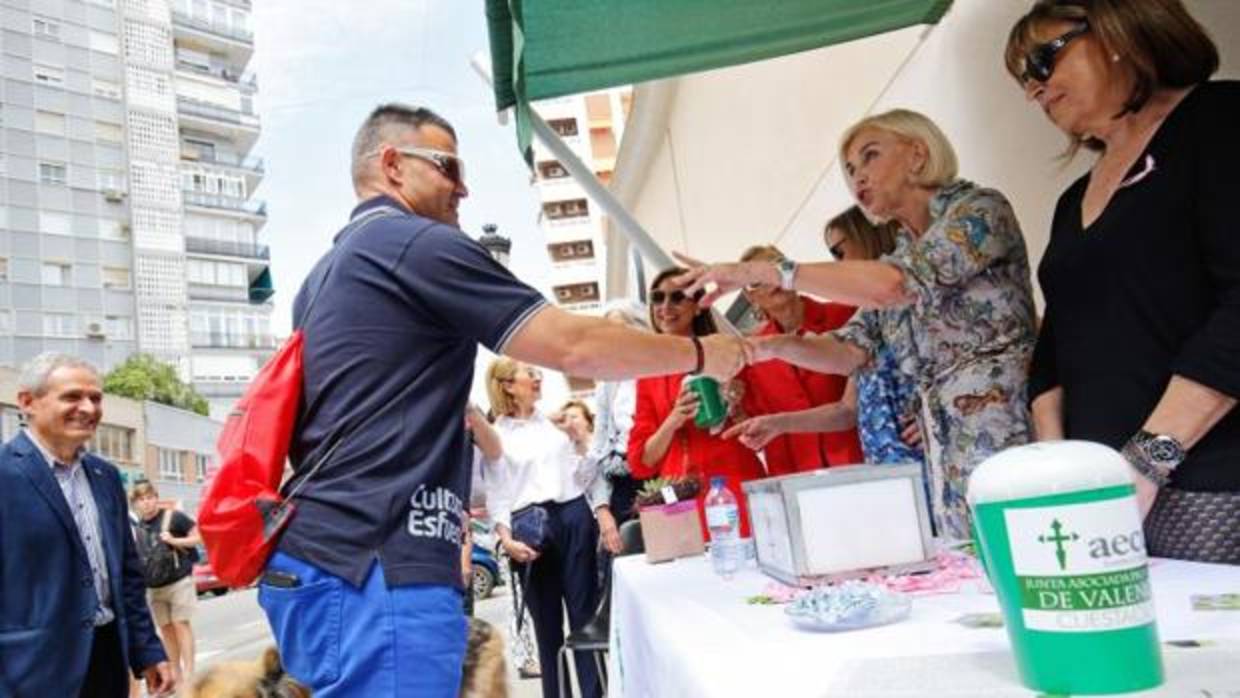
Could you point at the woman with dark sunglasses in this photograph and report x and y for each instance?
(665, 441)
(953, 301)
(1140, 345)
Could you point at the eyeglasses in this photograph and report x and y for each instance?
(529, 371)
(1040, 61)
(673, 297)
(449, 165)
(837, 250)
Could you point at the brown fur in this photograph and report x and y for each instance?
(486, 674)
(261, 678)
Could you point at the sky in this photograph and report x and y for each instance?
(322, 65)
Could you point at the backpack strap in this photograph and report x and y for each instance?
(359, 222)
(335, 441)
(165, 523)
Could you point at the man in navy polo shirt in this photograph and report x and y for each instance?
(363, 593)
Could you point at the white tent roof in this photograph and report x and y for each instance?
(714, 162)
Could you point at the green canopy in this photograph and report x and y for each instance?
(550, 48)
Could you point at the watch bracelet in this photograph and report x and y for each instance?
(1136, 458)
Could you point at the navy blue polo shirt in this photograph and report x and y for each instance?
(406, 301)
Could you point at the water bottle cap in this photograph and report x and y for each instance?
(718, 481)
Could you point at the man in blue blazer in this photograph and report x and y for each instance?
(73, 614)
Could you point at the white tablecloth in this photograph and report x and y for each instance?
(680, 631)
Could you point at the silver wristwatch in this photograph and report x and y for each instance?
(1154, 455)
(787, 274)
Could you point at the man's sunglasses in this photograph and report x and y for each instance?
(674, 297)
(449, 165)
(1040, 61)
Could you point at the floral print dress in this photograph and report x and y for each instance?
(966, 336)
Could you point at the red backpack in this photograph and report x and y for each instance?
(242, 511)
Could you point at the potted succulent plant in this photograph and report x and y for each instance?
(667, 508)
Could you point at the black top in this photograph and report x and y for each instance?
(179, 526)
(1152, 289)
(407, 301)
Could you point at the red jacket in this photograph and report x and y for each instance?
(692, 451)
(777, 386)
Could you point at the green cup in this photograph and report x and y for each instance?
(711, 408)
(1060, 538)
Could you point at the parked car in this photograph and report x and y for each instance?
(486, 571)
(205, 580)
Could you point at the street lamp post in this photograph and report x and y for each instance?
(497, 245)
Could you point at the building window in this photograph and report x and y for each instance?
(551, 169)
(115, 277)
(55, 223)
(103, 42)
(10, 422)
(563, 127)
(201, 271)
(202, 462)
(59, 325)
(113, 230)
(118, 327)
(46, 29)
(169, 464)
(109, 133)
(571, 208)
(571, 251)
(113, 443)
(53, 173)
(105, 88)
(4, 269)
(6, 322)
(102, 3)
(55, 274)
(577, 293)
(49, 122)
(49, 75)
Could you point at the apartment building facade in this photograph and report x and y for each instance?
(126, 217)
(592, 125)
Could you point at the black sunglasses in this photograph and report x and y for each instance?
(1040, 61)
(837, 250)
(675, 297)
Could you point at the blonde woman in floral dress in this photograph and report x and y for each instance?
(953, 302)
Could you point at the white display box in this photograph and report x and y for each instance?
(841, 523)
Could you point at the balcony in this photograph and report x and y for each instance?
(212, 292)
(217, 112)
(219, 29)
(220, 340)
(220, 157)
(227, 248)
(249, 207)
(245, 81)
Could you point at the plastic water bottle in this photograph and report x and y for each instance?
(723, 520)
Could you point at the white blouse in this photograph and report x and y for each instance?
(539, 464)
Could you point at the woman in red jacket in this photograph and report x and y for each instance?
(664, 440)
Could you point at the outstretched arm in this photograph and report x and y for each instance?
(821, 353)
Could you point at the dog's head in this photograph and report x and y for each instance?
(261, 678)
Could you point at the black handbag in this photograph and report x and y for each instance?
(532, 525)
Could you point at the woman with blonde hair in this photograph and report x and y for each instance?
(953, 301)
(1144, 257)
(536, 496)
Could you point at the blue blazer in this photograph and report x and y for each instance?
(47, 596)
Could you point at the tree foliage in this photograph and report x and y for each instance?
(143, 377)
